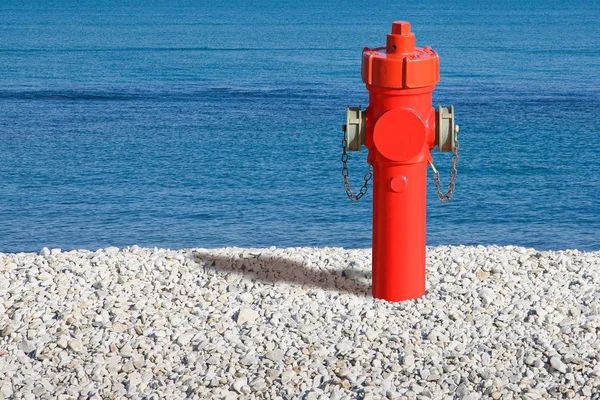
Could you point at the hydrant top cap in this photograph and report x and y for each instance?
(401, 40)
(400, 65)
(401, 28)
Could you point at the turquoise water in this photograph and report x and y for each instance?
(209, 124)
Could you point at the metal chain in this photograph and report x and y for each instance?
(368, 175)
(444, 198)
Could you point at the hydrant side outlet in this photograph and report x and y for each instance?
(401, 129)
(445, 129)
(355, 128)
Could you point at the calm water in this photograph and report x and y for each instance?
(176, 124)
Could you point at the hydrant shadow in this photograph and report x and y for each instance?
(273, 269)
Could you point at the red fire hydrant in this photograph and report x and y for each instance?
(400, 128)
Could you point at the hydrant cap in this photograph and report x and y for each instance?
(400, 65)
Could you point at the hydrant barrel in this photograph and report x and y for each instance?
(400, 133)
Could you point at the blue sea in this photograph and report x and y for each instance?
(217, 123)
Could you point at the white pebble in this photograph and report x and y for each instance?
(246, 316)
(344, 347)
(275, 355)
(75, 345)
(246, 297)
(408, 360)
(558, 365)
(185, 338)
(44, 276)
(126, 350)
(239, 383)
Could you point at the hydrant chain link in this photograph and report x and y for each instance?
(444, 198)
(347, 188)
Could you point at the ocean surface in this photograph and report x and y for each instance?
(217, 123)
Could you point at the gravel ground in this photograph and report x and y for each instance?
(496, 322)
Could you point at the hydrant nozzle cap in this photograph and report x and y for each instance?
(401, 40)
(400, 65)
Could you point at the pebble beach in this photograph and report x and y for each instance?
(273, 323)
